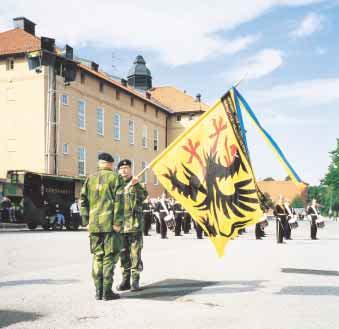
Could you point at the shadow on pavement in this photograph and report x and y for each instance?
(309, 271)
(310, 290)
(171, 289)
(10, 317)
(37, 281)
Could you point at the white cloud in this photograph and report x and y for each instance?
(180, 32)
(310, 24)
(308, 94)
(257, 66)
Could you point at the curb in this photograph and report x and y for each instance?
(12, 226)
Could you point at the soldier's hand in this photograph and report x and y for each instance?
(134, 180)
(116, 228)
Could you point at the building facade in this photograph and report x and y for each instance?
(59, 113)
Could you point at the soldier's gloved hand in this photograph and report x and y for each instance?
(116, 228)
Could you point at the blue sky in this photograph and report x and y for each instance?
(286, 49)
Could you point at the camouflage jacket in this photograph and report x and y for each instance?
(102, 201)
(133, 218)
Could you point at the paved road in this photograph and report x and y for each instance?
(45, 283)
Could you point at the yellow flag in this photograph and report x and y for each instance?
(207, 170)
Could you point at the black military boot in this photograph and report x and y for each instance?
(125, 284)
(98, 293)
(135, 285)
(110, 295)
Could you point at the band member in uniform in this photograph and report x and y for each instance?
(198, 230)
(147, 214)
(163, 210)
(281, 217)
(186, 222)
(289, 213)
(178, 213)
(75, 213)
(313, 212)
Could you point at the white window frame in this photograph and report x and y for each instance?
(143, 166)
(156, 139)
(63, 98)
(178, 118)
(116, 126)
(9, 63)
(65, 151)
(131, 130)
(144, 140)
(79, 116)
(80, 148)
(102, 120)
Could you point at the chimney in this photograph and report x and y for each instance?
(24, 24)
(198, 98)
(148, 95)
(94, 66)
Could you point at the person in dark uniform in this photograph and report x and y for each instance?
(163, 210)
(156, 214)
(147, 214)
(281, 217)
(186, 222)
(178, 214)
(290, 212)
(198, 230)
(313, 212)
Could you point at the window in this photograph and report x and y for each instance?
(178, 118)
(10, 64)
(116, 158)
(116, 126)
(117, 94)
(132, 101)
(145, 107)
(100, 121)
(101, 86)
(191, 116)
(144, 137)
(155, 180)
(130, 132)
(82, 115)
(144, 175)
(65, 148)
(156, 113)
(156, 139)
(64, 99)
(82, 77)
(81, 161)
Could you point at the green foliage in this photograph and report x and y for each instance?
(269, 201)
(268, 179)
(287, 178)
(298, 202)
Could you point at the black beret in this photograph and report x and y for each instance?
(125, 162)
(105, 157)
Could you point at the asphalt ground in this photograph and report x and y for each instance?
(45, 282)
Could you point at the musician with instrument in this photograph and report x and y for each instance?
(291, 220)
(147, 215)
(162, 208)
(281, 219)
(178, 214)
(313, 213)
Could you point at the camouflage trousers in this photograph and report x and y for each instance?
(130, 255)
(105, 248)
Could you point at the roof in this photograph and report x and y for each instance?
(178, 101)
(18, 41)
(130, 90)
(285, 188)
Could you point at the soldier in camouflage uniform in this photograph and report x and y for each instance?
(132, 233)
(102, 211)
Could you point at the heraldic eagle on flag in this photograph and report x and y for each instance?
(207, 170)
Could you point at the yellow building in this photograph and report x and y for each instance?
(59, 112)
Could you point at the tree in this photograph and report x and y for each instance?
(287, 178)
(332, 177)
(269, 201)
(268, 179)
(298, 202)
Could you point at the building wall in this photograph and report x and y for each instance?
(177, 127)
(22, 106)
(69, 132)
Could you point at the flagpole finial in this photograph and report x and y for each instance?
(241, 80)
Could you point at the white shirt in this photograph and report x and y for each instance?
(74, 208)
